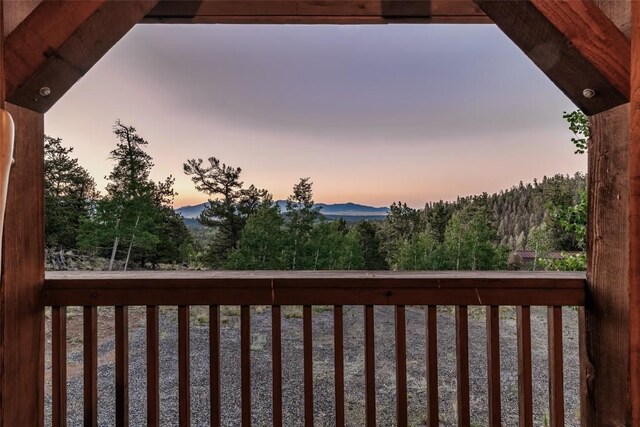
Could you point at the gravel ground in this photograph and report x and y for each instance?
(323, 369)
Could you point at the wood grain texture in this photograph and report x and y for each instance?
(153, 366)
(276, 357)
(619, 12)
(369, 366)
(525, 385)
(401, 366)
(338, 346)
(214, 366)
(593, 34)
(431, 332)
(184, 367)
(573, 43)
(634, 222)
(308, 288)
(245, 364)
(122, 365)
(606, 322)
(59, 366)
(493, 365)
(38, 54)
(316, 11)
(307, 338)
(15, 12)
(21, 304)
(4, 143)
(462, 366)
(556, 370)
(90, 368)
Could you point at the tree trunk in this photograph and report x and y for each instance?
(115, 247)
(133, 237)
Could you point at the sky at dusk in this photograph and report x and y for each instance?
(373, 114)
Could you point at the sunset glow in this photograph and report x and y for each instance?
(373, 114)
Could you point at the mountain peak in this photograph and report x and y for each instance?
(333, 209)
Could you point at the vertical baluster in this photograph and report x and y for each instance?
(245, 363)
(401, 366)
(122, 365)
(90, 375)
(276, 356)
(432, 364)
(59, 366)
(338, 346)
(184, 371)
(308, 364)
(153, 367)
(462, 364)
(370, 366)
(525, 388)
(493, 364)
(214, 365)
(556, 374)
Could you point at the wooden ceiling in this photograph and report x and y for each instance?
(579, 45)
(317, 11)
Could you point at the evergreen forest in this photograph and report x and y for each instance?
(132, 224)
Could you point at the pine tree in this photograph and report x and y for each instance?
(301, 215)
(262, 243)
(136, 215)
(70, 191)
(370, 243)
(229, 205)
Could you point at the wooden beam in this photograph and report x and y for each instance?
(59, 42)
(316, 11)
(311, 288)
(634, 220)
(22, 309)
(573, 43)
(16, 11)
(605, 333)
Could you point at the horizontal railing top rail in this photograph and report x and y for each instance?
(314, 288)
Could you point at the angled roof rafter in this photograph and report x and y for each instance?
(59, 42)
(574, 43)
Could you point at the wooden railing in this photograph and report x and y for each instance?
(337, 289)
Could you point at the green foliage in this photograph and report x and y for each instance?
(422, 252)
(301, 216)
(333, 247)
(69, 194)
(135, 221)
(299, 239)
(437, 215)
(370, 243)
(579, 125)
(470, 241)
(400, 225)
(541, 242)
(263, 242)
(573, 220)
(229, 205)
(574, 262)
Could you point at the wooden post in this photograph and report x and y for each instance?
(21, 306)
(634, 221)
(605, 321)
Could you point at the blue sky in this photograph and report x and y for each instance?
(372, 114)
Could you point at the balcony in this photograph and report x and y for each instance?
(334, 291)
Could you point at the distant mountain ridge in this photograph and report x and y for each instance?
(328, 209)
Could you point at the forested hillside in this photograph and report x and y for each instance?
(133, 224)
(523, 208)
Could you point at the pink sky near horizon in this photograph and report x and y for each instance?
(371, 115)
